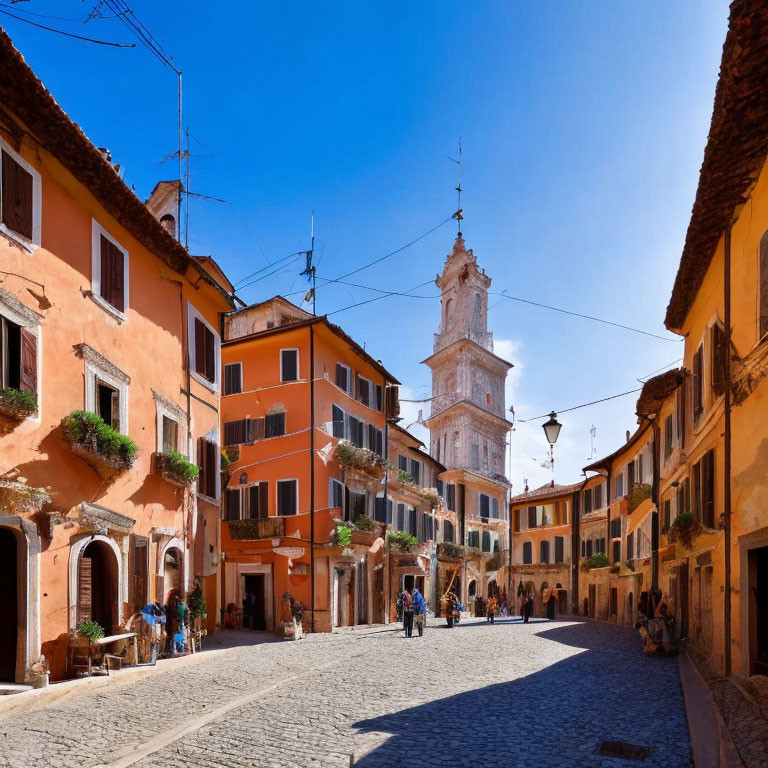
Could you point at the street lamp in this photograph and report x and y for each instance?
(552, 431)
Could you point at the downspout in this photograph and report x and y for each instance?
(312, 474)
(727, 452)
(462, 522)
(656, 502)
(387, 590)
(509, 569)
(576, 543)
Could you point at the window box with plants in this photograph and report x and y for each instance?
(17, 404)
(101, 446)
(431, 496)
(174, 468)
(365, 530)
(450, 551)
(351, 457)
(637, 495)
(598, 560)
(685, 528)
(401, 541)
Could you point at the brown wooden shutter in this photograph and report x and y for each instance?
(200, 347)
(264, 499)
(254, 499)
(210, 356)
(17, 197)
(112, 274)
(28, 362)
(718, 360)
(84, 589)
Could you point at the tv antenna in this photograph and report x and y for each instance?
(309, 270)
(592, 437)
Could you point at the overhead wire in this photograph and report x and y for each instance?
(583, 405)
(377, 298)
(67, 34)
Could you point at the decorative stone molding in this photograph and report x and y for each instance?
(170, 406)
(97, 360)
(102, 520)
(17, 496)
(12, 306)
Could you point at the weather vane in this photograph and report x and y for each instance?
(458, 215)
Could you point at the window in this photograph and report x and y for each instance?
(208, 463)
(544, 552)
(704, 489)
(559, 549)
(763, 286)
(616, 528)
(473, 539)
(20, 198)
(667, 515)
(440, 488)
(289, 365)
(485, 506)
(170, 435)
(718, 352)
(475, 456)
(354, 504)
(356, 431)
(617, 551)
(379, 510)
(698, 385)
(375, 440)
(486, 545)
(681, 412)
(587, 501)
(448, 531)
(429, 533)
(337, 425)
(412, 520)
(18, 357)
(204, 349)
(532, 517)
(495, 508)
(233, 378)
(274, 424)
(597, 497)
(631, 546)
(668, 438)
(619, 485)
(415, 471)
(527, 553)
(450, 500)
(246, 502)
(369, 394)
(287, 497)
(335, 493)
(400, 517)
(344, 377)
(242, 431)
(106, 389)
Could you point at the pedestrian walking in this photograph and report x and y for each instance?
(408, 612)
(551, 606)
(528, 608)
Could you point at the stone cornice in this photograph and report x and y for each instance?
(492, 359)
(170, 406)
(97, 360)
(102, 519)
(14, 306)
(469, 405)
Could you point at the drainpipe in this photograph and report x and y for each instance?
(387, 591)
(727, 456)
(312, 474)
(510, 513)
(460, 487)
(576, 544)
(656, 501)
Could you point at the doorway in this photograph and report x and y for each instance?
(592, 600)
(614, 607)
(361, 592)
(254, 601)
(682, 585)
(97, 586)
(758, 614)
(9, 576)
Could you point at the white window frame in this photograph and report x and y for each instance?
(350, 380)
(277, 495)
(99, 368)
(37, 202)
(96, 232)
(166, 407)
(192, 315)
(226, 365)
(338, 482)
(298, 367)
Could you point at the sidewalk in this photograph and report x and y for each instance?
(214, 645)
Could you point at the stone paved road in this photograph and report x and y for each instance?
(542, 694)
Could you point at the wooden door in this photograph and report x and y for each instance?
(592, 600)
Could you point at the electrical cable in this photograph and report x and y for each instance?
(382, 290)
(376, 298)
(642, 379)
(269, 274)
(40, 15)
(270, 264)
(67, 34)
(585, 317)
(583, 405)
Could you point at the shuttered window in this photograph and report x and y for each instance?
(450, 500)
(112, 279)
(667, 438)
(617, 551)
(597, 497)
(233, 378)
(379, 510)
(667, 516)
(170, 434)
(704, 489)
(718, 352)
(338, 421)
(363, 390)
(473, 539)
(531, 517)
(17, 197)
(559, 549)
(544, 552)
(527, 553)
(485, 506)
(375, 440)
(205, 351)
(258, 500)
(18, 357)
(208, 462)
(344, 378)
(448, 531)
(698, 385)
(356, 432)
(236, 432)
(486, 541)
(400, 517)
(415, 471)
(274, 425)
(287, 497)
(631, 546)
(232, 504)
(289, 365)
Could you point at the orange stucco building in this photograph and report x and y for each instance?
(101, 312)
(304, 416)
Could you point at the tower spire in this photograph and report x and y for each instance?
(458, 215)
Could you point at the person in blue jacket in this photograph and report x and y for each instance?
(419, 604)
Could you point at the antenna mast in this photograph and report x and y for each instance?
(309, 270)
(458, 215)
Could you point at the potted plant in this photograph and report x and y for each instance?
(17, 404)
(342, 535)
(598, 560)
(451, 550)
(91, 630)
(431, 496)
(685, 529)
(175, 468)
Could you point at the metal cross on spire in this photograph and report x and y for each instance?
(458, 215)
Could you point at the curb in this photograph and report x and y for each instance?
(710, 741)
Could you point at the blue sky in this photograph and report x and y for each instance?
(583, 126)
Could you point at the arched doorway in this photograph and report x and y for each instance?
(171, 573)
(97, 579)
(9, 626)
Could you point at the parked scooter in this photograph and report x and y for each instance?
(453, 614)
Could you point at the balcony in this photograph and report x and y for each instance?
(257, 528)
(100, 446)
(639, 493)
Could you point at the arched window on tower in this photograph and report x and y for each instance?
(168, 222)
(478, 304)
(448, 314)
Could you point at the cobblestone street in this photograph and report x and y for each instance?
(545, 697)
